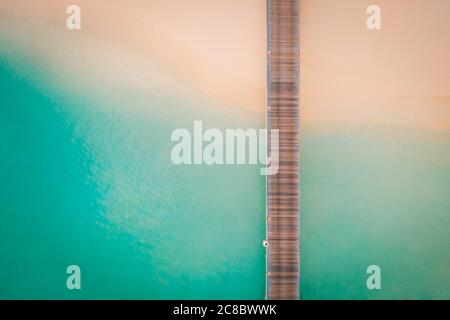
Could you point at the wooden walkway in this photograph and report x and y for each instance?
(282, 279)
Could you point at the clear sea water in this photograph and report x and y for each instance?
(375, 196)
(94, 186)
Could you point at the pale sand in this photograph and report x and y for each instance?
(348, 74)
(217, 47)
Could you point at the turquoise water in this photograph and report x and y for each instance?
(94, 186)
(375, 196)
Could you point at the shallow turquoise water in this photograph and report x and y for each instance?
(94, 186)
(375, 196)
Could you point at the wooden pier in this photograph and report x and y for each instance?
(282, 225)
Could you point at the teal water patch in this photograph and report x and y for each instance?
(94, 186)
(88, 181)
(375, 196)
